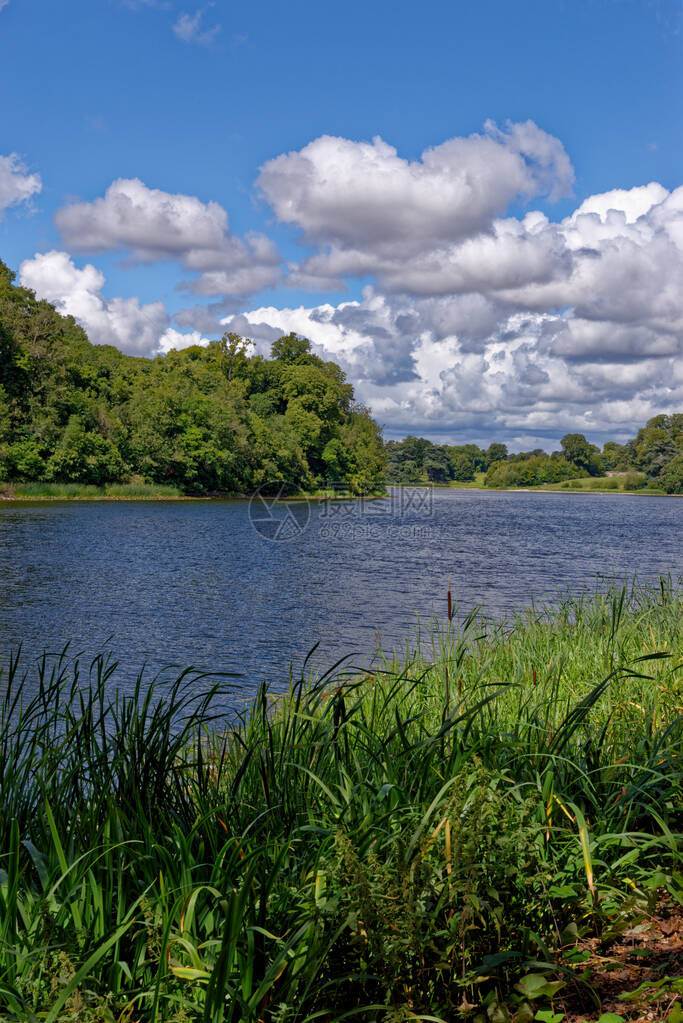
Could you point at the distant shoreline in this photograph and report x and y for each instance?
(160, 497)
(217, 498)
(543, 488)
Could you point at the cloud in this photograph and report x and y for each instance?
(16, 184)
(124, 322)
(437, 228)
(620, 265)
(479, 321)
(205, 318)
(188, 28)
(171, 339)
(369, 209)
(632, 203)
(3, 4)
(469, 367)
(152, 225)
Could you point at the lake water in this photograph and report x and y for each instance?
(197, 583)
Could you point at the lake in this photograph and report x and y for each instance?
(207, 584)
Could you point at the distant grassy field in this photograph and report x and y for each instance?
(448, 837)
(631, 483)
(476, 484)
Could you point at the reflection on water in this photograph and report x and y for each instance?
(196, 584)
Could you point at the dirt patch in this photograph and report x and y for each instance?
(645, 964)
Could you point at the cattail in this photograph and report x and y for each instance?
(450, 603)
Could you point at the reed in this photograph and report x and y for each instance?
(89, 492)
(370, 844)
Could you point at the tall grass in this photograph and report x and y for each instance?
(369, 845)
(88, 491)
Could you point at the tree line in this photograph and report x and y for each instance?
(205, 419)
(656, 452)
(219, 419)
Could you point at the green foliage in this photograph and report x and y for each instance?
(529, 472)
(581, 453)
(659, 441)
(634, 481)
(385, 846)
(653, 458)
(83, 456)
(671, 477)
(293, 350)
(203, 420)
(495, 453)
(441, 894)
(619, 457)
(24, 461)
(416, 460)
(137, 489)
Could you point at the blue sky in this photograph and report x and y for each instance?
(195, 100)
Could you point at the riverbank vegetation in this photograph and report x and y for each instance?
(135, 491)
(465, 832)
(215, 419)
(653, 461)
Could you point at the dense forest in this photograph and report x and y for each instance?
(654, 458)
(204, 419)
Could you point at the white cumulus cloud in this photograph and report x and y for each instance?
(469, 366)
(17, 185)
(153, 225)
(479, 321)
(127, 324)
(369, 207)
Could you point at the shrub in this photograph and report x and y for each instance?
(423, 906)
(529, 472)
(24, 461)
(671, 478)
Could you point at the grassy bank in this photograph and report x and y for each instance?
(147, 492)
(629, 483)
(442, 839)
(88, 492)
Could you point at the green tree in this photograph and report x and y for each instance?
(232, 353)
(495, 453)
(658, 443)
(362, 438)
(584, 455)
(84, 456)
(671, 477)
(5, 415)
(529, 472)
(463, 465)
(617, 457)
(293, 350)
(24, 461)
